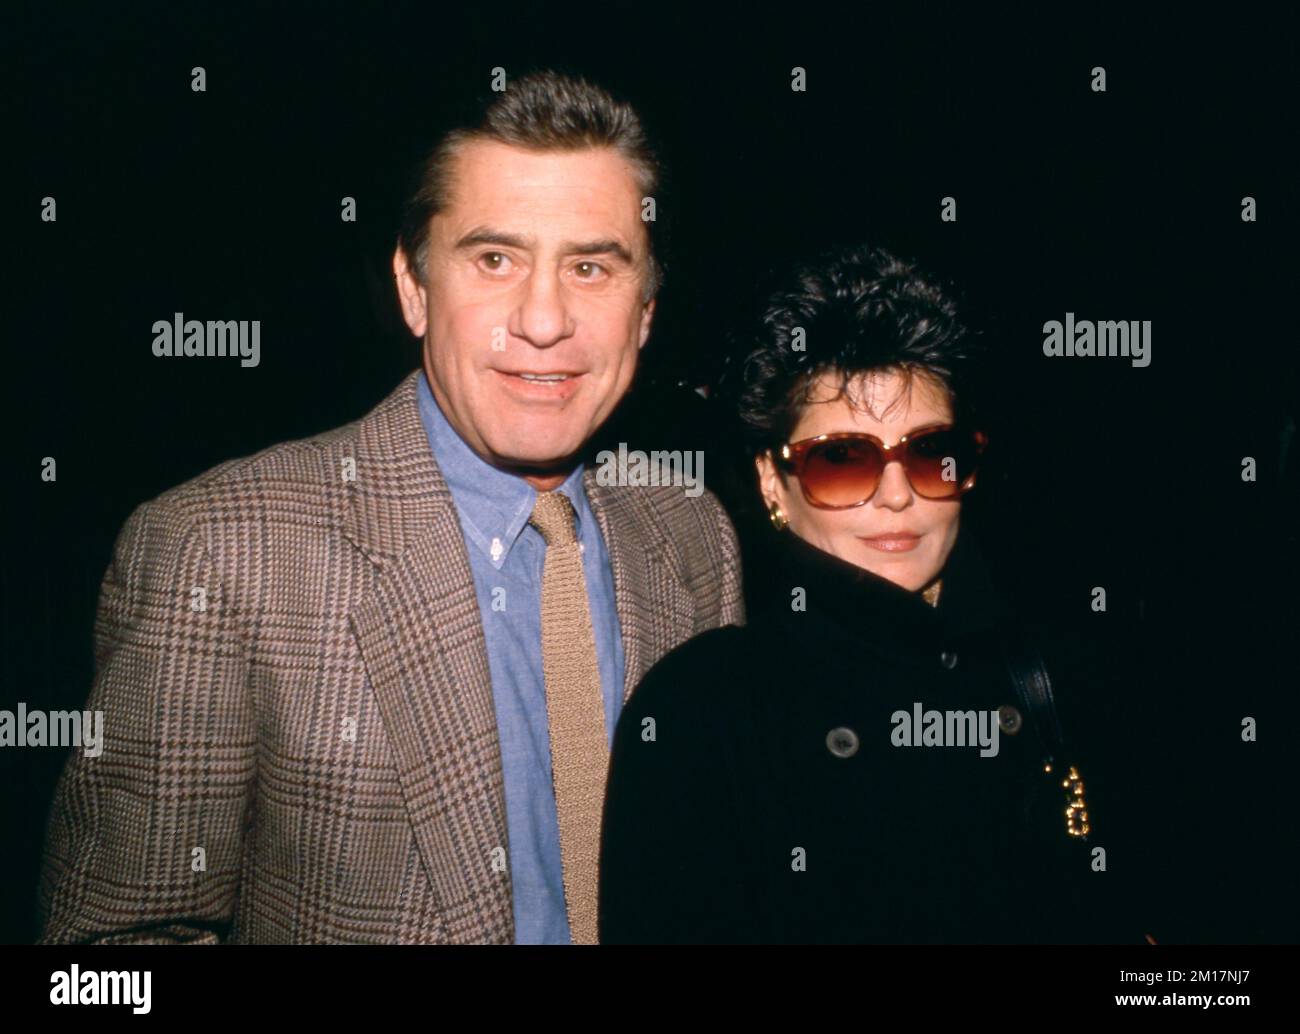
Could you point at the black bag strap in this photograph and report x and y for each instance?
(1033, 686)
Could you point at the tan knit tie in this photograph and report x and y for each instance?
(575, 711)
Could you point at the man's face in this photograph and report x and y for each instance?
(536, 267)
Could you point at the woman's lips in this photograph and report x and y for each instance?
(893, 542)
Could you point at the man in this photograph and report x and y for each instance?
(361, 687)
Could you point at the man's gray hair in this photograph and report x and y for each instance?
(542, 111)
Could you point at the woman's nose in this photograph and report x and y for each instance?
(895, 491)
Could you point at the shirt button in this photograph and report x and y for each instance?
(497, 549)
(842, 742)
(1009, 719)
(948, 659)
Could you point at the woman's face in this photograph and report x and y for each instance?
(896, 534)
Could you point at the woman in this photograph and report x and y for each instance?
(876, 755)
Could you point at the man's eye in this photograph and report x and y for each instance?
(494, 261)
(589, 270)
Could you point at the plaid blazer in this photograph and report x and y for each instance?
(300, 740)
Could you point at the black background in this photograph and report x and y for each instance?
(1119, 205)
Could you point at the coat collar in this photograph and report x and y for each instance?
(874, 610)
(421, 639)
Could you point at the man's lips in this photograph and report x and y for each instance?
(542, 373)
(540, 384)
(893, 541)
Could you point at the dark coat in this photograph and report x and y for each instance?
(741, 814)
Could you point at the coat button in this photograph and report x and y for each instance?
(842, 742)
(948, 659)
(1009, 720)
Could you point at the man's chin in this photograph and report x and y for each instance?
(530, 460)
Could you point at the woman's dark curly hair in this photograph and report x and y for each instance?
(861, 310)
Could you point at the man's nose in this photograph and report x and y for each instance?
(542, 318)
(894, 491)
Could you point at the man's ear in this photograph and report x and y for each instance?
(411, 293)
(647, 315)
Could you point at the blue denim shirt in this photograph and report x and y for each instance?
(506, 555)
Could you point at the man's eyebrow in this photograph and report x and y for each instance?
(603, 246)
(482, 235)
(608, 246)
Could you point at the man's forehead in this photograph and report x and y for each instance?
(591, 192)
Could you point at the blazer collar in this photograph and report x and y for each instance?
(656, 609)
(396, 489)
(420, 637)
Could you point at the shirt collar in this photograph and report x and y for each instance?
(494, 505)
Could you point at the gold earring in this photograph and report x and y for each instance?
(779, 520)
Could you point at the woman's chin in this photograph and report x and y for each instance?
(907, 572)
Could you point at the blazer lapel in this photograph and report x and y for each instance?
(421, 639)
(656, 609)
